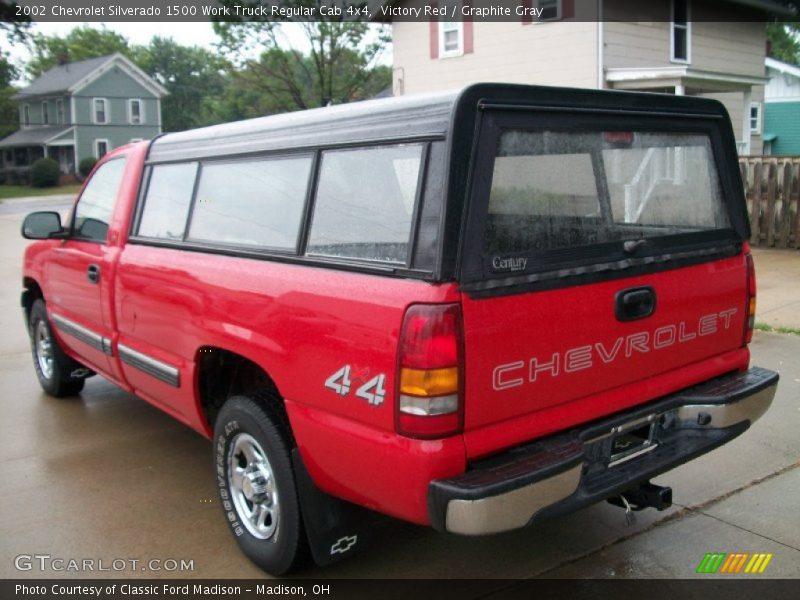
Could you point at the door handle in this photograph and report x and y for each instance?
(93, 273)
(635, 303)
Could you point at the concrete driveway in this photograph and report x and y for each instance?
(107, 477)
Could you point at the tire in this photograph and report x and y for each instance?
(256, 485)
(53, 367)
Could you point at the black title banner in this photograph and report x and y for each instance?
(444, 589)
(383, 11)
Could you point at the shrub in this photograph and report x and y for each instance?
(44, 173)
(86, 165)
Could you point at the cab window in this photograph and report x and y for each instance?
(94, 208)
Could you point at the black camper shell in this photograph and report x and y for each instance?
(450, 209)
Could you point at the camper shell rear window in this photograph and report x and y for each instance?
(583, 198)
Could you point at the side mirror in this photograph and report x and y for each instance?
(41, 225)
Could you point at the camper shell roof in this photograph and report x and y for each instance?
(407, 117)
(453, 117)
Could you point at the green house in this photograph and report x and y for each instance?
(82, 109)
(782, 109)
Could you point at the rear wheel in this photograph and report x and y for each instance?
(54, 369)
(256, 484)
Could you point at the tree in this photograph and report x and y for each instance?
(784, 41)
(14, 29)
(13, 25)
(9, 115)
(194, 77)
(79, 44)
(340, 65)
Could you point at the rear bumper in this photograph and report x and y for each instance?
(567, 471)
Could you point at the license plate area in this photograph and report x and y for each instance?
(632, 440)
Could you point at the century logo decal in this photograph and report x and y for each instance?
(734, 563)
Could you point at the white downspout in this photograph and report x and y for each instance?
(747, 97)
(600, 47)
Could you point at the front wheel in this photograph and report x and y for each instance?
(256, 485)
(55, 370)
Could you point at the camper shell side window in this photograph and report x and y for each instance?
(360, 207)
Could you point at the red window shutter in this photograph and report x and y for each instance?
(567, 9)
(434, 34)
(469, 44)
(527, 19)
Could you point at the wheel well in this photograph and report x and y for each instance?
(222, 374)
(32, 293)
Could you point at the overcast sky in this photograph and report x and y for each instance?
(187, 34)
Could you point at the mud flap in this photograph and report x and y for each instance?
(335, 528)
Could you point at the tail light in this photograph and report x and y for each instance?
(430, 371)
(750, 307)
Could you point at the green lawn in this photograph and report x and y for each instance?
(778, 329)
(20, 191)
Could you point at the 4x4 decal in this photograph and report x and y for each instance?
(373, 390)
(340, 381)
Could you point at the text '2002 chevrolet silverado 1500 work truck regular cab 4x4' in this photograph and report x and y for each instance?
(471, 310)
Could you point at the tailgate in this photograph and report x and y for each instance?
(530, 351)
(598, 252)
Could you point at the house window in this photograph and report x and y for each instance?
(100, 110)
(26, 114)
(755, 117)
(45, 115)
(681, 31)
(451, 39)
(550, 10)
(60, 112)
(135, 111)
(100, 148)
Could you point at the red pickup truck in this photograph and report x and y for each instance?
(471, 310)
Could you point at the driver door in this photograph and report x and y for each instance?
(79, 272)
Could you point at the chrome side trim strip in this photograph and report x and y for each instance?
(155, 368)
(83, 334)
(511, 510)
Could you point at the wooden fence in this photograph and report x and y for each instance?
(772, 188)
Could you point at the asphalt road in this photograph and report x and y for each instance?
(106, 477)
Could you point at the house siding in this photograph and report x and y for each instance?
(116, 87)
(731, 47)
(108, 77)
(782, 87)
(738, 48)
(556, 53)
(641, 37)
(734, 105)
(783, 119)
(35, 105)
(635, 45)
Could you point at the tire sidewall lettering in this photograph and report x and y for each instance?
(222, 444)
